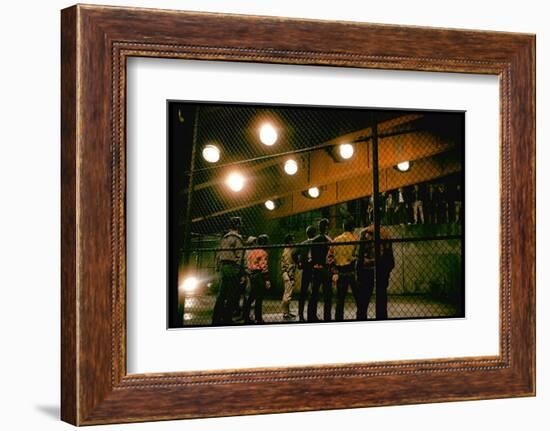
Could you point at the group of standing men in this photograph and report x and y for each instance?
(347, 262)
(419, 204)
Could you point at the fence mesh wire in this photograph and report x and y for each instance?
(274, 171)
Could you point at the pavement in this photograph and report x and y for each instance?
(198, 310)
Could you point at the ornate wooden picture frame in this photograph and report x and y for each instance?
(96, 41)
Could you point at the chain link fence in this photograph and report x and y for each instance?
(284, 214)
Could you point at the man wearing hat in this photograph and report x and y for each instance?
(229, 262)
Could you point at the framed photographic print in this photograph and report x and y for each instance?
(325, 214)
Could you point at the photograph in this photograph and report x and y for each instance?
(275, 215)
(295, 214)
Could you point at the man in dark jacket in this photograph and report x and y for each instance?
(384, 266)
(229, 262)
(365, 272)
(302, 256)
(401, 206)
(320, 261)
(370, 275)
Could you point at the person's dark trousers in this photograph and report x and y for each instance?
(346, 279)
(241, 294)
(321, 278)
(401, 214)
(318, 277)
(304, 289)
(382, 281)
(228, 294)
(429, 212)
(365, 287)
(314, 298)
(388, 216)
(327, 296)
(257, 289)
(442, 213)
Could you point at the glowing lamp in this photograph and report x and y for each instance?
(404, 166)
(190, 284)
(235, 181)
(270, 205)
(346, 151)
(211, 153)
(314, 192)
(291, 167)
(268, 134)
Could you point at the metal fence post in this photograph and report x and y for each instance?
(187, 220)
(381, 294)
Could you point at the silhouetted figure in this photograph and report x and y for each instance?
(401, 205)
(365, 272)
(320, 274)
(442, 204)
(430, 205)
(417, 204)
(382, 198)
(458, 204)
(302, 257)
(344, 267)
(389, 209)
(245, 280)
(370, 210)
(257, 265)
(229, 262)
(373, 272)
(384, 265)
